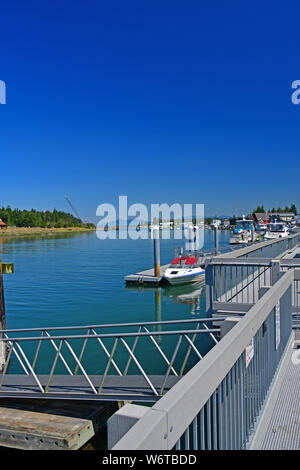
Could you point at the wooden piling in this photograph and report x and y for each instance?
(156, 246)
(216, 240)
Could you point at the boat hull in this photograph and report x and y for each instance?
(238, 241)
(185, 278)
(269, 236)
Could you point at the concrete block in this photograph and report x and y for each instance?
(227, 324)
(123, 420)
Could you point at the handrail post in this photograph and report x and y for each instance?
(209, 288)
(275, 271)
(216, 240)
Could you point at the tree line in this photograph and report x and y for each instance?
(43, 219)
(286, 209)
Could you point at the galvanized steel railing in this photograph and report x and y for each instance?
(217, 403)
(238, 277)
(268, 249)
(240, 281)
(47, 352)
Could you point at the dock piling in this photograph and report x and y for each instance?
(216, 240)
(156, 247)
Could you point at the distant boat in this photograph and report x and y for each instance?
(153, 227)
(184, 269)
(243, 232)
(261, 228)
(276, 230)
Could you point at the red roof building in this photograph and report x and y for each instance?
(2, 224)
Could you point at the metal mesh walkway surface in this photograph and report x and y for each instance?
(280, 426)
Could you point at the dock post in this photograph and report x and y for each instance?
(209, 288)
(156, 246)
(216, 240)
(191, 238)
(275, 271)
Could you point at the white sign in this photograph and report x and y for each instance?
(249, 352)
(277, 324)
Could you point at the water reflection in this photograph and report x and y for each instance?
(190, 294)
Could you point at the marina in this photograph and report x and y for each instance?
(149, 231)
(236, 283)
(244, 395)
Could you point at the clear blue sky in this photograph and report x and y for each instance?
(163, 101)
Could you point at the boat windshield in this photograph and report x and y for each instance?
(245, 224)
(186, 261)
(277, 228)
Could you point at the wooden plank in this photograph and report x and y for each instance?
(31, 430)
(51, 424)
(146, 277)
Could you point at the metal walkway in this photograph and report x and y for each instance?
(126, 388)
(122, 362)
(279, 427)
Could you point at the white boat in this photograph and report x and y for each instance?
(261, 228)
(276, 230)
(153, 227)
(243, 232)
(184, 269)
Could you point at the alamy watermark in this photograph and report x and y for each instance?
(296, 94)
(2, 92)
(138, 222)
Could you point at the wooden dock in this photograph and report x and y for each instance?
(51, 424)
(146, 277)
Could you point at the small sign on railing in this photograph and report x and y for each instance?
(6, 268)
(249, 352)
(277, 325)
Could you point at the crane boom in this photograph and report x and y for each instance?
(73, 209)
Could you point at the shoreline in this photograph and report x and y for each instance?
(10, 232)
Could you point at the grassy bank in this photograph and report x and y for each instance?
(25, 231)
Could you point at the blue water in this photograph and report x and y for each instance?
(77, 279)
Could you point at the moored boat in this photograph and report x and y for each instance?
(244, 232)
(183, 270)
(276, 230)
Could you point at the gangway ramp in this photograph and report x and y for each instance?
(120, 362)
(116, 388)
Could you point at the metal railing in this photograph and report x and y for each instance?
(267, 249)
(216, 404)
(237, 280)
(241, 280)
(146, 349)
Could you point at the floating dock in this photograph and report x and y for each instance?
(146, 277)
